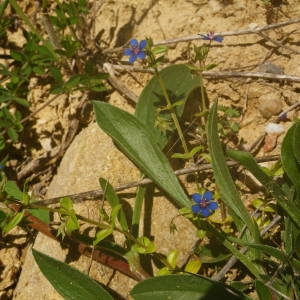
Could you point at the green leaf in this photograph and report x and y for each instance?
(288, 158)
(16, 219)
(73, 82)
(229, 193)
(17, 56)
(41, 214)
(138, 143)
(193, 266)
(189, 154)
(296, 142)
(102, 234)
(247, 160)
(273, 252)
(22, 101)
(13, 191)
(179, 83)
(69, 282)
(68, 214)
(172, 258)
(12, 134)
(263, 291)
(113, 199)
(182, 287)
(66, 203)
(143, 245)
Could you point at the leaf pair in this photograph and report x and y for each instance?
(72, 284)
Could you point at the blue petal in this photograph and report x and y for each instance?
(141, 55)
(143, 44)
(197, 198)
(132, 58)
(212, 205)
(133, 43)
(127, 51)
(205, 212)
(208, 196)
(218, 38)
(196, 209)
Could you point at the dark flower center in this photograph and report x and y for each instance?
(136, 50)
(204, 203)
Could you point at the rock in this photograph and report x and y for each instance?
(11, 251)
(268, 67)
(270, 104)
(93, 155)
(10, 267)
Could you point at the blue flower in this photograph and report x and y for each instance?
(204, 204)
(212, 37)
(136, 50)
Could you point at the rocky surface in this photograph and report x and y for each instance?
(93, 155)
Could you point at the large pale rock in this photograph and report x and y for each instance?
(93, 155)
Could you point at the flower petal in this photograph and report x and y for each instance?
(212, 205)
(127, 51)
(132, 58)
(218, 38)
(141, 55)
(143, 44)
(197, 198)
(208, 196)
(133, 43)
(196, 209)
(205, 212)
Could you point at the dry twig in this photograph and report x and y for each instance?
(98, 194)
(255, 30)
(220, 74)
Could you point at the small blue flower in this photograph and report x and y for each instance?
(136, 50)
(212, 37)
(204, 204)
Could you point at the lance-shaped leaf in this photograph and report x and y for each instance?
(224, 180)
(69, 282)
(138, 144)
(183, 287)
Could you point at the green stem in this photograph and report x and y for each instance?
(27, 21)
(2, 8)
(136, 216)
(172, 110)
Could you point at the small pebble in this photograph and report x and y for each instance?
(274, 128)
(270, 105)
(268, 67)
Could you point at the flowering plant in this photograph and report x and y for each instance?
(136, 50)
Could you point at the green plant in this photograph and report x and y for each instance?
(47, 61)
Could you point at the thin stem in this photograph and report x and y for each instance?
(27, 21)
(98, 194)
(172, 111)
(136, 216)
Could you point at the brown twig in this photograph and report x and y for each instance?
(228, 33)
(118, 85)
(233, 260)
(113, 262)
(97, 194)
(220, 74)
(278, 44)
